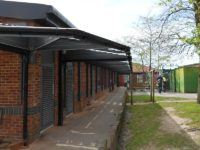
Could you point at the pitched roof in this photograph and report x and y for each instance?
(138, 68)
(33, 11)
(191, 65)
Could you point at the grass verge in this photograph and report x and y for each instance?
(145, 127)
(189, 110)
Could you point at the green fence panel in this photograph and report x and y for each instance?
(191, 79)
(177, 81)
(172, 81)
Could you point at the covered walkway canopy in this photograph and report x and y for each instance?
(77, 45)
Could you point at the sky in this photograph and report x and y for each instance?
(110, 19)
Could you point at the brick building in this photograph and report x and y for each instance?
(141, 76)
(49, 69)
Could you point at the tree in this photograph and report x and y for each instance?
(188, 12)
(153, 45)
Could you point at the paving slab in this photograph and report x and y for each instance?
(88, 130)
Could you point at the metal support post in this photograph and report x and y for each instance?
(153, 87)
(25, 69)
(152, 91)
(130, 85)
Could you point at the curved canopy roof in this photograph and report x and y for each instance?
(77, 45)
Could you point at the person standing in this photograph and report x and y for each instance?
(164, 84)
(159, 82)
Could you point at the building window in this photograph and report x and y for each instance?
(139, 78)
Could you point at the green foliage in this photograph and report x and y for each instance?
(183, 9)
(194, 40)
(164, 2)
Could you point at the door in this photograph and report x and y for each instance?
(47, 99)
(69, 88)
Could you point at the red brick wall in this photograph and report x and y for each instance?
(89, 82)
(84, 100)
(113, 80)
(100, 82)
(10, 90)
(83, 80)
(104, 80)
(34, 88)
(94, 68)
(10, 76)
(80, 105)
(10, 87)
(77, 107)
(12, 21)
(108, 79)
(33, 126)
(11, 128)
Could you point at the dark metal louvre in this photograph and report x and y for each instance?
(69, 87)
(47, 103)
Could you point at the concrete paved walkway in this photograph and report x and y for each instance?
(85, 131)
(181, 95)
(168, 94)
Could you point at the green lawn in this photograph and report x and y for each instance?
(144, 126)
(146, 98)
(189, 110)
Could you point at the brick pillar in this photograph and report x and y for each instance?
(96, 79)
(91, 76)
(83, 85)
(89, 81)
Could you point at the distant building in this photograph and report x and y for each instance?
(184, 79)
(141, 76)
